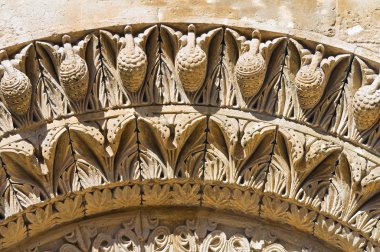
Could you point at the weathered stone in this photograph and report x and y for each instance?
(195, 135)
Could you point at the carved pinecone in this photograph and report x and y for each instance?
(250, 73)
(132, 64)
(74, 77)
(191, 66)
(310, 86)
(17, 91)
(366, 105)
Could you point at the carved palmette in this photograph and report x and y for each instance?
(191, 63)
(366, 105)
(310, 79)
(132, 63)
(251, 68)
(15, 87)
(73, 72)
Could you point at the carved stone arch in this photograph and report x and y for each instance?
(183, 137)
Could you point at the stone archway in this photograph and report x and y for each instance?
(193, 137)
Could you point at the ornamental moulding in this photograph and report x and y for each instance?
(196, 117)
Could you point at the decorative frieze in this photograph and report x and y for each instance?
(215, 117)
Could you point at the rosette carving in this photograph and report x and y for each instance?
(191, 62)
(366, 105)
(132, 63)
(251, 67)
(73, 72)
(15, 86)
(310, 79)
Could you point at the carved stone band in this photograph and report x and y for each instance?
(194, 117)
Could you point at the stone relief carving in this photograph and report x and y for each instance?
(213, 119)
(246, 64)
(69, 69)
(357, 116)
(366, 105)
(17, 86)
(188, 61)
(312, 85)
(124, 66)
(147, 233)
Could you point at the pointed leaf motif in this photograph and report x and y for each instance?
(235, 148)
(88, 144)
(358, 119)
(250, 60)
(127, 196)
(25, 171)
(13, 232)
(6, 123)
(186, 194)
(70, 66)
(341, 195)
(41, 219)
(190, 58)
(350, 196)
(216, 197)
(170, 140)
(301, 167)
(245, 202)
(125, 65)
(58, 158)
(9, 204)
(121, 136)
(98, 201)
(69, 209)
(156, 194)
(301, 218)
(312, 85)
(274, 207)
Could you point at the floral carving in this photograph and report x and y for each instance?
(290, 174)
(210, 119)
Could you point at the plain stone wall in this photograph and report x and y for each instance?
(354, 21)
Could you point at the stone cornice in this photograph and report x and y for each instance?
(290, 126)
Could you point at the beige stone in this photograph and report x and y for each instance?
(227, 128)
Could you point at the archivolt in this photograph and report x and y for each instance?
(219, 118)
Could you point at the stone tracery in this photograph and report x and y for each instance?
(166, 119)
